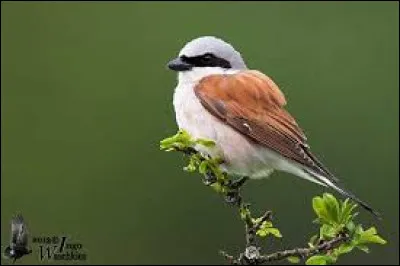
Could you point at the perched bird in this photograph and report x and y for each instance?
(19, 239)
(243, 111)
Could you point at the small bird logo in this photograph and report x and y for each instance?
(19, 240)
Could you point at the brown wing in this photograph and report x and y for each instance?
(252, 104)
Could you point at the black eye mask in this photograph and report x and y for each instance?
(206, 60)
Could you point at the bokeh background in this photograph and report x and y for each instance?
(86, 97)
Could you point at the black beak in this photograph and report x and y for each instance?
(178, 65)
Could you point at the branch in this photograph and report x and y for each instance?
(337, 235)
(305, 252)
(281, 255)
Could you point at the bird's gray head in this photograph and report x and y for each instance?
(207, 52)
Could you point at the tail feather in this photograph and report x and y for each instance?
(329, 183)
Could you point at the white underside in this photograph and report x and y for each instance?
(241, 156)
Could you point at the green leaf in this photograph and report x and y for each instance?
(371, 231)
(373, 239)
(350, 226)
(217, 187)
(203, 167)
(193, 164)
(312, 240)
(267, 229)
(332, 207)
(358, 230)
(316, 260)
(265, 224)
(321, 260)
(327, 231)
(370, 236)
(345, 248)
(190, 168)
(346, 211)
(320, 209)
(293, 259)
(378, 240)
(275, 232)
(262, 233)
(179, 141)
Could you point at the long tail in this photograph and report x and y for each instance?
(329, 183)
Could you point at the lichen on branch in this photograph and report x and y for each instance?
(338, 232)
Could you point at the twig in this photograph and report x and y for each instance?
(305, 252)
(251, 255)
(262, 226)
(256, 259)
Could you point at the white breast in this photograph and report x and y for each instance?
(193, 117)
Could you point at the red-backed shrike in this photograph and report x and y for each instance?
(242, 110)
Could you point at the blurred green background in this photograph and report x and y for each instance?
(86, 97)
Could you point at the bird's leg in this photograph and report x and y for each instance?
(233, 195)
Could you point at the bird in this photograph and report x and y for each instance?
(19, 239)
(242, 110)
